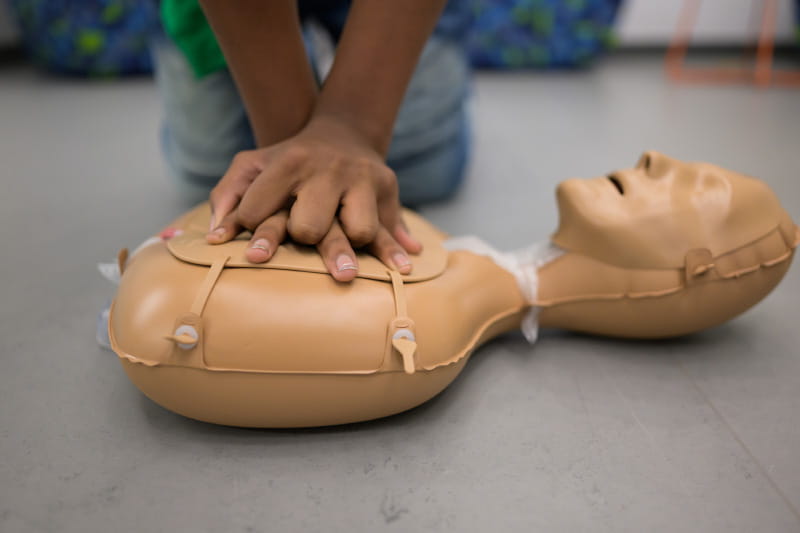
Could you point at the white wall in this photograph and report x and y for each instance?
(653, 22)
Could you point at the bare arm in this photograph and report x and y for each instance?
(263, 45)
(379, 49)
(332, 173)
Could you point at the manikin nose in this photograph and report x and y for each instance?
(654, 164)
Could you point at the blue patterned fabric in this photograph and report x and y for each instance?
(88, 37)
(540, 33)
(797, 20)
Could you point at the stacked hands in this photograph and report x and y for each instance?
(319, 175)
(327, 187)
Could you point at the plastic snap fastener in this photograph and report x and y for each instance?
(184, 331)
(404, 333)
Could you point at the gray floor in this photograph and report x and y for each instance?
(572, 434)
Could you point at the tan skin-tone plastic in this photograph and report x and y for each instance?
(669, 249)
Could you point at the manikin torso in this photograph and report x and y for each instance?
(663, 249)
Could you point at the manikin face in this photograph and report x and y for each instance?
(651, 215)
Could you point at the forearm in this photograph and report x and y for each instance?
(263, 45)
(375, 59)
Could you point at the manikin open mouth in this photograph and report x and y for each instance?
(617, 183)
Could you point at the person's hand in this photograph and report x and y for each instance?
(326, 186)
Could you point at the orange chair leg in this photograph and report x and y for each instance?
(762, 74)
(766, 44)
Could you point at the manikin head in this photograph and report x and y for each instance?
(689, 241)
(651, 215)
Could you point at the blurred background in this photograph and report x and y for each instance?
(109, 37)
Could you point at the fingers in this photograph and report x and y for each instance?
(388, 201)
(335, 247)
(267, 237)
(338, 255)
(342, 198)
(359, 216)
(405, 239)
(244, 169)
(268, 193)
(314, 211)
(389, 212)
(227, 229)
(389, 251)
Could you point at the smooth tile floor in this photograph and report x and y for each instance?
(700, 434)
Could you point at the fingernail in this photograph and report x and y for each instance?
(217, 235)
(261, 244)
(345, 262)
(401, 260)
(211, 223)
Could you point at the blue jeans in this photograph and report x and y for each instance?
(205, 123)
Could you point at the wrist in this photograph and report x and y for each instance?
(351, 125)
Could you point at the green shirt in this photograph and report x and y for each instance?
(185, 23)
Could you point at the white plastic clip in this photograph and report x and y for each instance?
(404, 342)
(185, 337)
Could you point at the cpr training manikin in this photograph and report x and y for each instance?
(663, 249)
